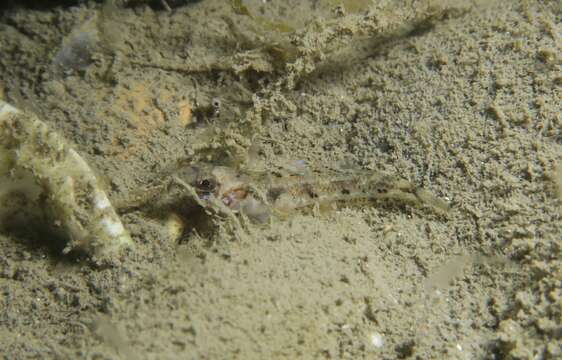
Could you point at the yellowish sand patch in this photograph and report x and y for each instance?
(185, 112)
(147, 109)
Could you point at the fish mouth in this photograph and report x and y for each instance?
(234, 197)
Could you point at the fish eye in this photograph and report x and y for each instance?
(205, 184)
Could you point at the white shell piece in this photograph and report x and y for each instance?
(42, 178)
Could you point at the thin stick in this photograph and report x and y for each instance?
(166, 6)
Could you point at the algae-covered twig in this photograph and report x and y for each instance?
(45, 179)
(277, 46)
(316, 41)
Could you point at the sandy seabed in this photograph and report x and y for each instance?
(461, 99)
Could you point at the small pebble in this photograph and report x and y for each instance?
(377, 340)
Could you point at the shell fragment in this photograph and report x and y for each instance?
(42, 178)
